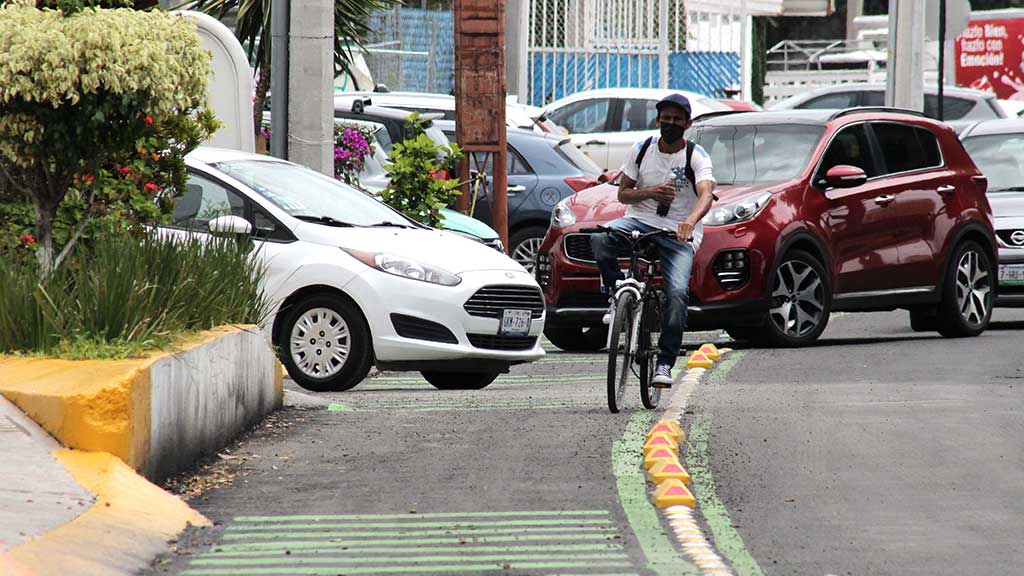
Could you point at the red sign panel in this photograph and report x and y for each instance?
(988, 57)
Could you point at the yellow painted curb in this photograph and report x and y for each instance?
(97, 405)
(711, 351)
(660, 440)
(658, 455)
(673, 492)
(670, 427)
(121, 533)
(667, 469)
(698, 360)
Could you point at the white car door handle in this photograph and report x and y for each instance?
(947, 189)
(885, 199)
(596, 143)
(516, 189)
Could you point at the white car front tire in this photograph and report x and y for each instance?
(324, 344)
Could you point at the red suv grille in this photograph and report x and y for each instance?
(577, 247)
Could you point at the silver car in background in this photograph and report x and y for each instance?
(997, 147)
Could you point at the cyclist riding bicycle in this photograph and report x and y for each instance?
(659, 196)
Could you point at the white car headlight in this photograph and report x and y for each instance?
(405, 267)
(562, 216)
(738, 211)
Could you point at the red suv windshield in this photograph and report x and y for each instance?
(758, 154)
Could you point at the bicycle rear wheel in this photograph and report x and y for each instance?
(620, 349)
(650, 323)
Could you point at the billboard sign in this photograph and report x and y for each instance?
(988, 57)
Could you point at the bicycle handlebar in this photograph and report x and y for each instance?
(629, 236)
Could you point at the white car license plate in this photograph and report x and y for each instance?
(516, 322)
(1011, 274)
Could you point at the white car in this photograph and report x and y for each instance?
(352, 283)
(516, 115)
(606, 123)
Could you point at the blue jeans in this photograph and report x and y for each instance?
(676, 262)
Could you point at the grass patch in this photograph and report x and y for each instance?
(124, 296)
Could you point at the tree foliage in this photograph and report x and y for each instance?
(98, 108)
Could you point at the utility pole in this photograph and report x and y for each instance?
(942, 58)
(279, 25)
(311, 85)
(905, 73)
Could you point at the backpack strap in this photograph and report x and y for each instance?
(643, 150)
(689, 168)
(689, 165)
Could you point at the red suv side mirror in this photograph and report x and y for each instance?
(843, 176)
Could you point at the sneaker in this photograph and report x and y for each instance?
(607, 318)
(662, 376)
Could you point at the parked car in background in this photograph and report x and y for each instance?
(819, 211)
(516, 115)
(740, 105)
(605, 123)
(1013, 108)
(352, 283)
(997, 147)
(542, 170)
(394, 121)
(960, 106)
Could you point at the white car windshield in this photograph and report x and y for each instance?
(309, 195)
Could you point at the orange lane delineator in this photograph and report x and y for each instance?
(667, 469)
(673, 492)
(698, 360)
(660, 440)
(657, 455)
(670, 427)
(711, 351)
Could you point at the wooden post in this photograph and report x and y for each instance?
(480, 98)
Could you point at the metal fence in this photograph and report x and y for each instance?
(794, 67)
(577, 45)
(412, 49)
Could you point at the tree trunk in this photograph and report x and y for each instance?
(262, 85)
(48, 192)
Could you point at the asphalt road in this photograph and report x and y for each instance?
(531, 475)
(879, 451)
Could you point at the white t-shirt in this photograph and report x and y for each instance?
(655, 169)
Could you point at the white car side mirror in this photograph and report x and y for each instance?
(230, 225)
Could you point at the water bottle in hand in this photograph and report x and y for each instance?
(678, 183)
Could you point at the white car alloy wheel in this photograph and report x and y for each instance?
(320, 343)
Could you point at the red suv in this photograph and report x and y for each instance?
(819, 211)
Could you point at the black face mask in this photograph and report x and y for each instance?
(671, 133)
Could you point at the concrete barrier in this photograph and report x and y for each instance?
(157, 414)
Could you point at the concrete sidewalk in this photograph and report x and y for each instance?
(73, 512)
(37, 494)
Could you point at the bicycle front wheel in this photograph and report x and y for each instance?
(620, 349)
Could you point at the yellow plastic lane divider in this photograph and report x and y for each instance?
(670, 478)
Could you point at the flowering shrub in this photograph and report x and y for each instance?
(100, 127)
(351, 147)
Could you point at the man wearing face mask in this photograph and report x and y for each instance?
(658, 199)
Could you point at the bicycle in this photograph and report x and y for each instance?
(637, 314)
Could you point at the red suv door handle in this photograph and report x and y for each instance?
(885, 199)
(947, 189)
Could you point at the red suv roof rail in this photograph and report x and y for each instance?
(886, 109)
